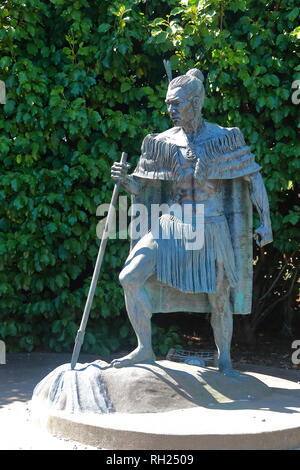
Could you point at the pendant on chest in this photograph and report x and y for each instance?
(192, 165)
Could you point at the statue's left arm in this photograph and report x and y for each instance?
(258, 194)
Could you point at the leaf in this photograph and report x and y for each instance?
(158, 21)
(90, 338)
(105, 311)
(15, 185)
(274, 80)
(176, 11)
(293, 14)
(123, 48)
(56, 326)
(124, 331)
(125, 87)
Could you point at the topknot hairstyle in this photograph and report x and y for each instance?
(192, 81)
(195, 73)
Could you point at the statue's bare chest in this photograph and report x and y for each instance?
(202, 186)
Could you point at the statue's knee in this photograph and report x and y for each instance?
(123, 277)
(127, 279)
(219, 304)
(216, 305)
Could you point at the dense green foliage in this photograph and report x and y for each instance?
(85, 81)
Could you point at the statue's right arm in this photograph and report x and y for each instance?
(130, 183)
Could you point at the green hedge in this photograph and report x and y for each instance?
(85, 81)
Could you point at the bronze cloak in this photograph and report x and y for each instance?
(222, 155)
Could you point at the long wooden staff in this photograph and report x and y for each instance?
(81, 332)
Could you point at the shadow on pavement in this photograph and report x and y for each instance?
(23, 371)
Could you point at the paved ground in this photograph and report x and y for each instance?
(17, 381)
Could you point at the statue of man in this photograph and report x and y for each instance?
(195, 163)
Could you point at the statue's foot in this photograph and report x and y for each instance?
(225, 367)
(230, 372)
(135, 357)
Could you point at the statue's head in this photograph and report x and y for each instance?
(185, 98)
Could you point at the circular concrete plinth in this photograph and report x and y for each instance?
(270, 421)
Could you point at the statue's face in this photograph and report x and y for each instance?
(181, 106)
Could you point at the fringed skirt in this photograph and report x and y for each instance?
(191, 266)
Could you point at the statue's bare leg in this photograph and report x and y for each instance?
(139, 267)
(221, 322)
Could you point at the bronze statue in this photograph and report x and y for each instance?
(195, 163)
